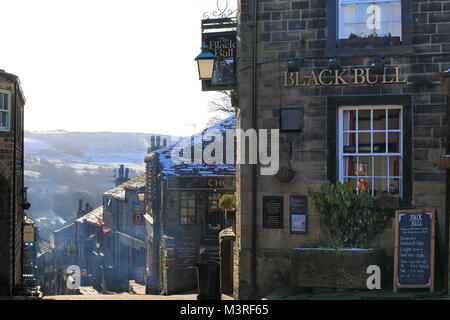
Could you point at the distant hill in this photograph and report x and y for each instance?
(62, 167)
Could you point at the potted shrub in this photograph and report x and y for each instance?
(351, 220)
(369, 41)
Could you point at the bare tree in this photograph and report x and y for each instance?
(222, 107)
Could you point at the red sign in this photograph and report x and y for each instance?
(138, 218)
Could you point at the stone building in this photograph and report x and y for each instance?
(12, 102)
(355, 93)
(182, 214)
(124, 241)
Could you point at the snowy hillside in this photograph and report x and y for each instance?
(62, 167)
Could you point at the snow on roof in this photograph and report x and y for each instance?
(119, 191)
(92, 216)
(169, 168)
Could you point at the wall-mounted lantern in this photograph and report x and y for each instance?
(205, 63)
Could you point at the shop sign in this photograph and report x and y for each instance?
(28, 233)
(223, 46)
(202, 183)
(343, 77)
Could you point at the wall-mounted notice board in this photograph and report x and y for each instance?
(414, 249)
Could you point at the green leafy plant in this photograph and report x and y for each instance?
(227, 202)
(350, 219)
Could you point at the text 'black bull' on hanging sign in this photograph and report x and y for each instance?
(350, 76)
(414, 249)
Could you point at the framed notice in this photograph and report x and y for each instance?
(414, 249)
(298, 209)
(273, 212)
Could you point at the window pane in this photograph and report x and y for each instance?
(380, 166)
(191, 195)
(3, 119)
(191, 211)
(364, 120)
(380, 186)
(365, 185)
(183, 195)
(394, 119)
(190, 220)
(349, 120)
(395, 165)
(395, 185)
(183, 211)
(349, 143)
(364, 166)
(191, 204)
(379, 142)
(394, 142)
(379, 119)
(349, 166)
(183, 220)
(364, 142)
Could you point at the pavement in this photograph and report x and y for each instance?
(137, 292)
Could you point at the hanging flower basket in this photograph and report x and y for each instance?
(284, 175)
(443, 162)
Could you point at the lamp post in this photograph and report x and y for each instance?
(444, 163)
(205, 62)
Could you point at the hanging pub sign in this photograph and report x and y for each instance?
(223, 46)
(414, 249)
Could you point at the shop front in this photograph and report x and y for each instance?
(183, 203)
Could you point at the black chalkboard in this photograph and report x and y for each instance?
(414, 249)
(272, 212)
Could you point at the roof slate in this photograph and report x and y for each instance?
(169, 168)
(93, 216)
(119, 191)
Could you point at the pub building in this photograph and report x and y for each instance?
(353, 86)
(182, 202)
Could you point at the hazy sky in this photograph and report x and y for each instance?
(107, 65)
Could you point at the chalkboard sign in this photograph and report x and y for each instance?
(273, 212)
(414, 249)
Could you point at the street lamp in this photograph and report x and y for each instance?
(205, 63)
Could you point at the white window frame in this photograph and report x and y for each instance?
(8, 111)
(372, 154)
(357, 2)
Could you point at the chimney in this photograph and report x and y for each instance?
(152, 142)
(80, 204)
(164, 142)
(126, 173)
(121, 171)
(158, 141)
(87, 207)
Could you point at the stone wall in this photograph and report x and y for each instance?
(289, 29)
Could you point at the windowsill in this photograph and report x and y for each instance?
(376, 51)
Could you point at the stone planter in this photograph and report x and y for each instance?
(333, 268)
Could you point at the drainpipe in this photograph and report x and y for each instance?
(254, 166)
